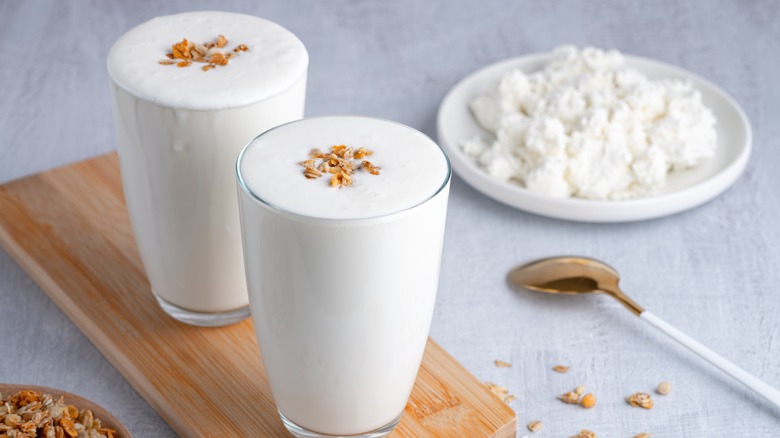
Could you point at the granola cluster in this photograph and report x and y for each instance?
(30, 414)
(212, 54)
(576, 397)
(640, 400)
(341, 163)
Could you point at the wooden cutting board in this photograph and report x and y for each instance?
(69, 229)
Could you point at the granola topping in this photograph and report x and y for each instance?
(339, 162)
(212, 54)
(312, 173)
(33, 414)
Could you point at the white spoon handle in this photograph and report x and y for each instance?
(734, 371)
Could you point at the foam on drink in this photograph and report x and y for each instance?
(413, 168)
(276, 59)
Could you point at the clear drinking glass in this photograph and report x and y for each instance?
(179, 131)
(342, 284)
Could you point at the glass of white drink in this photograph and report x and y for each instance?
(189, 91)
(342, 251)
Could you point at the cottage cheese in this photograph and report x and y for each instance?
(588, 126)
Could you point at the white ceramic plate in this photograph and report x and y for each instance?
(684, 190)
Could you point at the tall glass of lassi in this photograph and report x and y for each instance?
(343, 222)
(189, 91)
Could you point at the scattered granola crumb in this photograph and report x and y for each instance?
(501, 392)
(643, 435)
(664, 388)
(641, 400)
(210, 53)
(31, 414)
(561, 369)
(571, 398)
(585, 433)
(502, 364)
(535, 426)
(580, 390)
(588, 401)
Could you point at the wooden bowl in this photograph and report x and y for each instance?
(106, 419)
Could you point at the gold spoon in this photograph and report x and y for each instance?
(581, 275)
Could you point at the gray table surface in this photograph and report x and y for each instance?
(712, 271)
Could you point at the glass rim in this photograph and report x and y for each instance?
(257, 198)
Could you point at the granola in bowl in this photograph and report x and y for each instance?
(31, 411)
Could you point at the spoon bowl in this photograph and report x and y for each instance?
(564, 275)
(571, 275)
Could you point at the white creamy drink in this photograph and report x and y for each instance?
(182, 115)
(342, 280)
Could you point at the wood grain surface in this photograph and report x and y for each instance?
(69, 230)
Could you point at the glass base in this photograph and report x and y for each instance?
(201, 319)
(300, 432)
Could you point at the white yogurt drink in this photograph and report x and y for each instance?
(180, 125)
(342, 280)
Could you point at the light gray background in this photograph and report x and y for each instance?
(713, 271)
